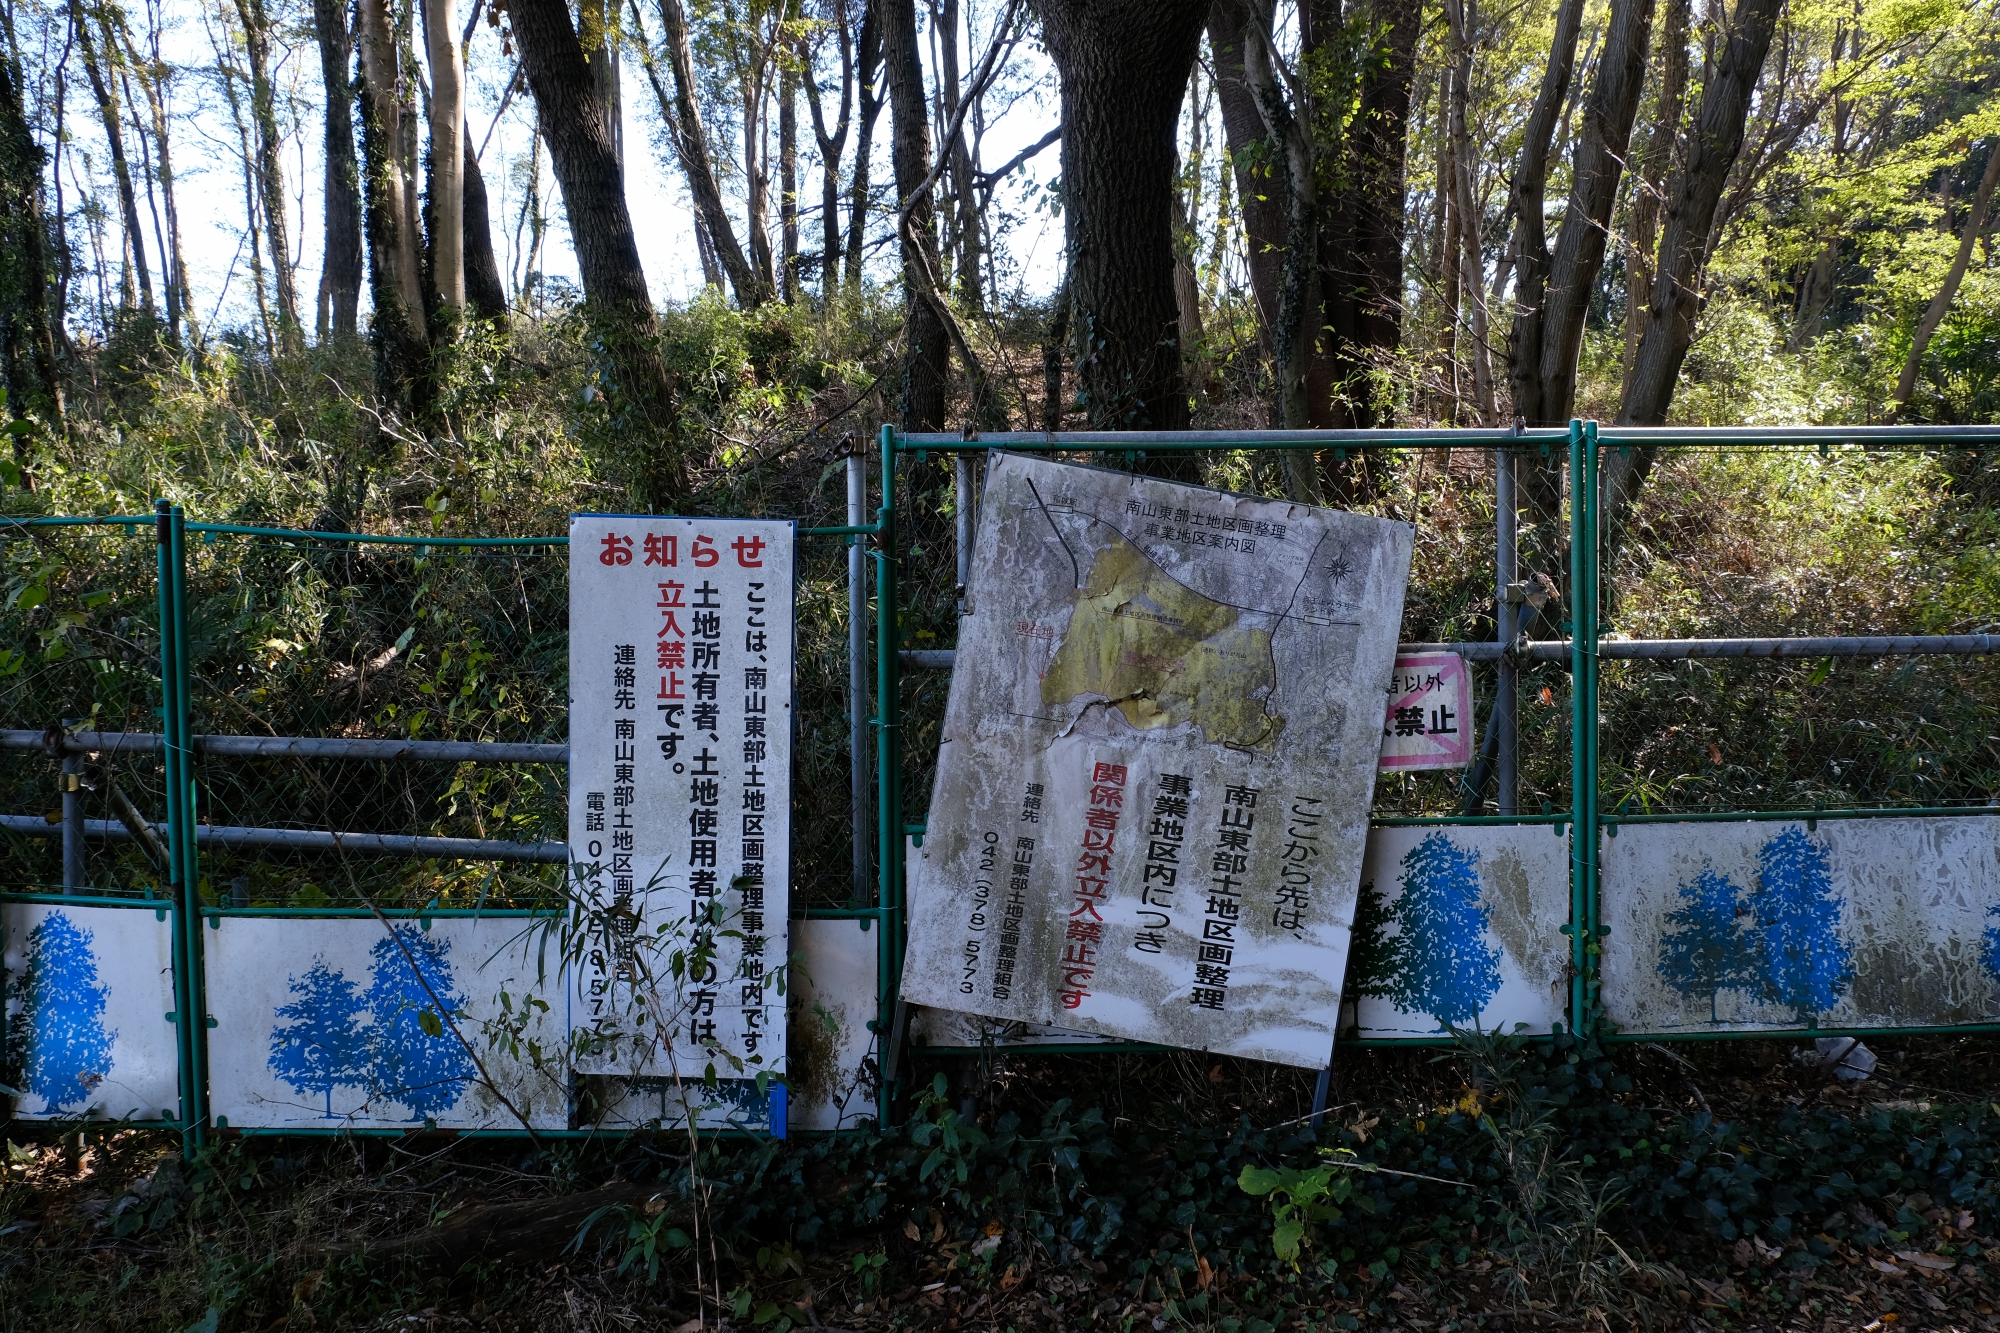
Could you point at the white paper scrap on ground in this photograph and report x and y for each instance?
(1158, 756)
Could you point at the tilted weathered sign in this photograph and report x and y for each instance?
(1158, 757)
(680, 792)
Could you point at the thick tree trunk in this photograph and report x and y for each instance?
(1706, 157)
(33, 388)
(270, 164)
(697, 163)
(1653, 162)
(1124, 68)
(394, 278)
(570, 111)
(484, 294)
(926, 352)
(868, 70)
(1595, 171)
(340, 274)
(447, 162)
(1531, 248)
(1975, 225)
(1261, 209)
(1364, 281)
(121, 170)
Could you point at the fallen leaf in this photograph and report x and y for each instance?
(1931, 1261)
(1884, 1266)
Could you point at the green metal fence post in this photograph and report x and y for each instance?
(178, 831)
(888, 782)
(1587, 781)
(185, 854)
(1579, 871)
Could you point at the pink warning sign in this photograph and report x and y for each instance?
(1429, 723)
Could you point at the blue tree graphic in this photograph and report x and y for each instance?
(1989, 950)
(325, 1046)
(418, 1061)
(1804, 963)
(1448, 969)
(1704, 950)
(68, 1048)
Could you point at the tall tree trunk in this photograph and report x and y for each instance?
(1531, 247)
(756, 170)
(270, 163)
(831, 147)
(959, 173)
(788, 179)
(394, 276)
(33, 388)
(1595, 172)
(1653, 161)
(153, 73)
(1460, 20)
(691, 146)
(121, 172)
(1364, 280)
(1920, 340)
(1261, 209)
(231, 79)
(447, 160)
(484, 294)
(570, 112)
(867, 73)
(926, 353)
(1124, 68)
(1449, 245)
(340, 274)
(1706, 157)
(170, 287)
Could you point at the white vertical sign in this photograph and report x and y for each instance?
(680, 792)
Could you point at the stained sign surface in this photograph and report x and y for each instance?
(346, 1023)
(1158, 755)
(1460, 927)
(1852, 923)
(89, 991)
(680, 792)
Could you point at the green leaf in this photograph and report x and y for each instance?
(1285, 1240)
(432, 1025)
(1258, 1180)
(31, 596)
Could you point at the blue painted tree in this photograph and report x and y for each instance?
(418, 1060)
(68, 1047)
(1804, 964)
(325, 1045)
(1989, 949)
(1447, 968)
(1704, 950)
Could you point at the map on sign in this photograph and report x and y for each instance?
(1158, 756)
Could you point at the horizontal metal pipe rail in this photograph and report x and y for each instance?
(299, 747)
(1558, 650)
(316, 840)
(1115, 441)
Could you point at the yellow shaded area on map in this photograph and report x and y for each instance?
(1163, 654)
